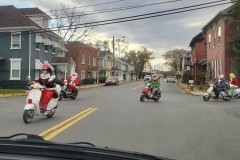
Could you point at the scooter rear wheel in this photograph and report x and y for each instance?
(142, 98)
(50, 115)
(28, 116)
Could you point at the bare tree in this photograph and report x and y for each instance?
(121, 46)
(72, 23)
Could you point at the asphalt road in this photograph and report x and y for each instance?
(180, 126)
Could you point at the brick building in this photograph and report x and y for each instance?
(85, 58)
(219, 58)
(199, 58)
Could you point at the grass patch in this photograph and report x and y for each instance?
(11, 91)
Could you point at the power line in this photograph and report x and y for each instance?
(113, 9)
(133, 18)
(157, 12)
(97, 4)
(115, 19)
(121, 8)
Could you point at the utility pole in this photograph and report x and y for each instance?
(113, 56)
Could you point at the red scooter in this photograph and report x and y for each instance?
(147, 91)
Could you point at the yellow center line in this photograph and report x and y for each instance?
(52, 135)
(137, 87)
(64, 122)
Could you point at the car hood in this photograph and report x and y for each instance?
(36, 146)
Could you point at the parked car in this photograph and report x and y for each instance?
(112, 81)
(147, 77)
(171, 79)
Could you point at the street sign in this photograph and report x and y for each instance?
(191, 81)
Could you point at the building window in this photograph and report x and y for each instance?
(94, 74)
(94, 61)
(83, 59)
(219, 35)
(219, 66)
(37, 46)
(16, 41)
(209, 41)
(15, 69)
(46, 48)
(89, 61)
(214, 40)
(53, 50)
(82, 74)
(104, 63)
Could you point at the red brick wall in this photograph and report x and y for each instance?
(76, 50)
(220, 51)
(198, 54)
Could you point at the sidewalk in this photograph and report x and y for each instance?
(186, 89)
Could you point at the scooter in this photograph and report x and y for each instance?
(64, 92)
(210, 94)
(234, 91)
(146, 93)
(33, 107)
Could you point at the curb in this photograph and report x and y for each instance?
(186, 91)
(88, 87)
(13, 95)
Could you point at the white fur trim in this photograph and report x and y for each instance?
(45, 76)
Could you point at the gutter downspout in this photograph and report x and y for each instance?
(30, 52)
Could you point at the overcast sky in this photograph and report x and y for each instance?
(159, 34)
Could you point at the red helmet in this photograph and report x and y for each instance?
(46, 66)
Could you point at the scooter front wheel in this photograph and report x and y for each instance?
(28, 116)
(206, 97)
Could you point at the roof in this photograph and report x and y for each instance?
(187, 63)
(218, 16)
(10, 16)
(61, 60)
(197, 38)
(32, 11)
(76, 43)
(104, 53)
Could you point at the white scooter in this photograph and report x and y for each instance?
(234, 91)
(33, 107)
(210, 94)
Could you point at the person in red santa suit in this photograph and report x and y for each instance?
(73, 81)
(47, 79)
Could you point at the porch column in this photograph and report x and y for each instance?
(65, 72)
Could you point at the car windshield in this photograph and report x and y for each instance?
(83, 71)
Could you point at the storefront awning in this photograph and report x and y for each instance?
(61, 68)
(203, 61)
(48, 42)
(55, 44)
(63, 48)
(38, 64)
(39, 39)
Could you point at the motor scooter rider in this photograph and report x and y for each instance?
(155, 82)
(233, 81)
(220, 85)
(47, 79)
(73, 81)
